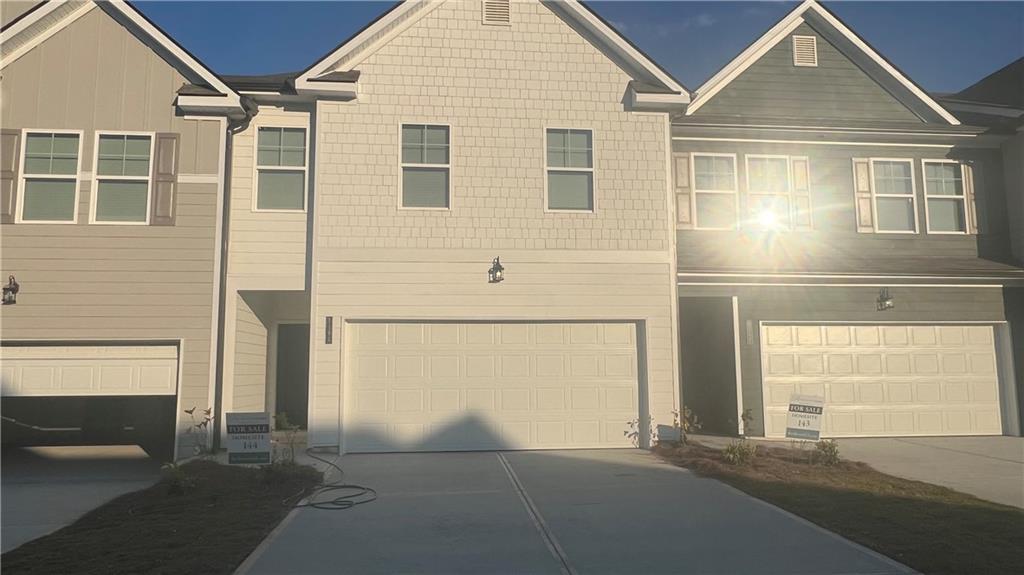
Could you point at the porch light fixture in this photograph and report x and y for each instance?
(11, 291)
(497, 272)
(885, 302)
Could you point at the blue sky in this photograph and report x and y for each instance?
(943, 46)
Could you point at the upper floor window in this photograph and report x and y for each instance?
(48, 191)
(768, 191)
(569, 165)
(895, 204)
(944, 197)
(715, 191)
(122, 178)
(281, 169)
(426, 166)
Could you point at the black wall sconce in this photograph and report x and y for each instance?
(885, 302)
(11, 291)
(497, 272)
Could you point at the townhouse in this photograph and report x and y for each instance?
(498, 225)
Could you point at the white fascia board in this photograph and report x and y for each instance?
(345, 90)
(206, 105)
(30, 19)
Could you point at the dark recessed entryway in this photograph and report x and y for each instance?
(293, 372)
(708, 362)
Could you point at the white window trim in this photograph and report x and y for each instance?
(875, 195)
(22, 176)
(96, 177)
(592, 170)
(256, 167)
(927, 197)
(735, 192)
(402, 165)
(788, 193)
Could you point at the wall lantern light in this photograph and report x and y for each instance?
(11, 291)
(885, 302)
(497, 272)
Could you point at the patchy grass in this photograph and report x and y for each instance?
(210, 528)
(932, 529)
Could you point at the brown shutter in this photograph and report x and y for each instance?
(684, 191)
(862, 195)
(972, 207)
(165, 180)
(801, 169)
(10, 151)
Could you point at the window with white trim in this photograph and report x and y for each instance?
(281, 169)
(715, 191)
(894, 197)
(944, 197)
(49, 180)
(569, 163)
(122, 180)
(769, 192)
(426, 166)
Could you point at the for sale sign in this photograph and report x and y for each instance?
(248, 438)
(804, 419)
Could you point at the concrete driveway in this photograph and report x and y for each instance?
(45, 488)
(991, 468)
(609, 511)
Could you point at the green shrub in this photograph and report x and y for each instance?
(178, 480)
(740, 452)
(826, 452)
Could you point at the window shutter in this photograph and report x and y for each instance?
(684, 192)
(165, 180)
(801, 170)
(862, 195)
(972, 207)
(10, 151)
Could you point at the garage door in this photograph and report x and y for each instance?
(891, 380)
(468, 386)
(58, 371)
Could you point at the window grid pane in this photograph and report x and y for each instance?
(51, 154)
(570, 148)
(281, 147)
(123, 155)
(425, 144)
(942, 179)
(947, 215)
(122, 201)
(570, 190)
(49, 200)
(893, 178)
(714, 174)
(281, 190)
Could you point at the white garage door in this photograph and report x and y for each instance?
(466, 386)
(894, 380)
(57, 371)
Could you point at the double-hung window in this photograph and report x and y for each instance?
(280, 169)
(944, 197)
(49, 182)
(895, 201)
(715, 191)
(570, 169)
(123, 178)
(769, 191)
(426, 166)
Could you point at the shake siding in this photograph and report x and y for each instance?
(498, 88)
(250, 371)
(110, 282)
(836, 89)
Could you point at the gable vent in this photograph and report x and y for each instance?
(498, 12)
(805, 51)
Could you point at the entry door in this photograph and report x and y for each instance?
(884, 380)
(293, 372)
(476, 386)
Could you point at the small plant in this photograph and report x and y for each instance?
(826, 452)
(635, 427)
(199, 429)
(740, 452)
(748, 419)
(291, 433)
(179, 481)
(685, 423)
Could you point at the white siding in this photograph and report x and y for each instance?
(250, 370)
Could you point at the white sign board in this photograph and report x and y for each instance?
(804, 419)
(248, 438)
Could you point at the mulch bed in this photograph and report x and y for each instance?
(210, 528)
(933, 529)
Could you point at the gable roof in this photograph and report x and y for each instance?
(51, 16)
(874, 64)
(582, 18)
(1004, 87)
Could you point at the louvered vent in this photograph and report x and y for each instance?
(805, 51)
(498, 12)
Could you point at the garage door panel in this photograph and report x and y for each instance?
(69, 370)
(884, 380)
(483, 386)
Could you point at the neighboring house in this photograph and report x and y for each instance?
(111, 209)
(841, 234)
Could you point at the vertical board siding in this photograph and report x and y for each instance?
(250, 373)
(114, 282)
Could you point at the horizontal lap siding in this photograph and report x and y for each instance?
(250, 369)
(498, 88)
(110, 282)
